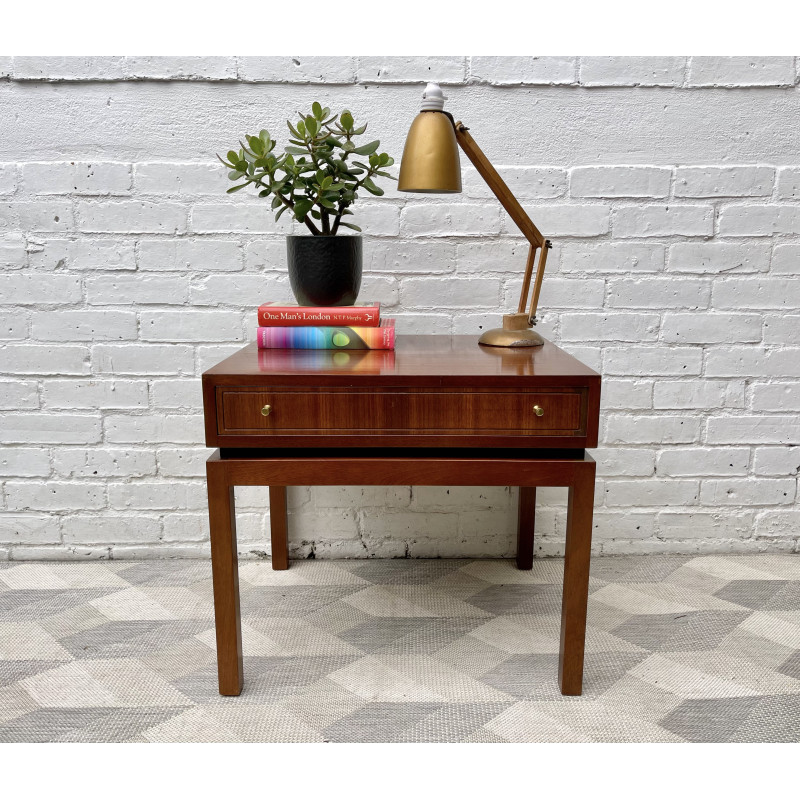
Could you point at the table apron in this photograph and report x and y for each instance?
(393, 471)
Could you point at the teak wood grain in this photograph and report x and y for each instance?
(433, 391)
(399, 412)
(439, 411)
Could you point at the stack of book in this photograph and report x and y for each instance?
(322, 328)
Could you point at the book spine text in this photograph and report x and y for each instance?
(288, 317)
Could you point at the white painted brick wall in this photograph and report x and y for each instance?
(521, 70)
(179, 179)
(125, 271)
(411, 69)
(724, 181)
(82, 254)
(131, 216)
(786, 259)
(89, 394)
(742, 71)
(782, 329)
(702, 462)
(180, 67)
(39, 289)
(776, 397)
(8, 178)
(620, 181)
(789, 183)
(296, 69)
(718, 257)
(698, 394)
(450, 219)
(764, 220)
(611, 257)
(632, 70)
(79, 462)
(777, 461)
(660, 220)
(34, 216)
(525, 182)
(77, 178)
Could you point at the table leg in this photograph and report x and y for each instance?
(279, 527)
(225, 569)
(576, 581)
(525, 526)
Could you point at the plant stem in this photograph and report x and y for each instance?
(338, 219)
(309, 224)
(312, 227)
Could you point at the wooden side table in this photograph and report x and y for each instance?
(439, 410)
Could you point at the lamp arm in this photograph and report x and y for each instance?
(515, 211)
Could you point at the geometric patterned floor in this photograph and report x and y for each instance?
(679, 648)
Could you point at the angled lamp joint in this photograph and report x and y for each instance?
(430, 164)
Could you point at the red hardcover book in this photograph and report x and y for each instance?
(272, 316)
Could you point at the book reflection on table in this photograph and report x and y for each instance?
(368, 361)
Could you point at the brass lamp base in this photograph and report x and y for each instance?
(516, 332)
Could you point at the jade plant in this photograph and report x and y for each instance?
(318, 176)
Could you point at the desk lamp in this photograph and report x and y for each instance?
(430, 165)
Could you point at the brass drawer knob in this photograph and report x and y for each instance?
(538, 410)
(266, 411)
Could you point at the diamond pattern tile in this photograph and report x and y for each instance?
(679, 649)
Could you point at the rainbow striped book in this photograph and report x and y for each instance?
(327, 337)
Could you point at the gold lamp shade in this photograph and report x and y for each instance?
(430, 158)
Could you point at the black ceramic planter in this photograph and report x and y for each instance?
(324, 270)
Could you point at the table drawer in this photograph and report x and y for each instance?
(248, 412)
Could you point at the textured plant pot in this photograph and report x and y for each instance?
(324, 270)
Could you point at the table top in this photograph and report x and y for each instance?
(419, 359)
